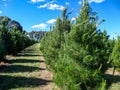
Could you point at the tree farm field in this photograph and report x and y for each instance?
(22, 72)
(77, 50)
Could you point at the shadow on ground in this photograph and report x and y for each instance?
(25, 61)
(12, 82)
(18, 68)
(29, 54)
(111, 79)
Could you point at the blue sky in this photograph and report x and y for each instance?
(40, 14)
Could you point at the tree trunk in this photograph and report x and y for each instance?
(114, 70)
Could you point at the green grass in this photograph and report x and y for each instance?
(23, 72)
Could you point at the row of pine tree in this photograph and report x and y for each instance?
(12, 37)
(79, 53)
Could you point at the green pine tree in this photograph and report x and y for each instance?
(2, 49)
(88, 47)
(115, 56)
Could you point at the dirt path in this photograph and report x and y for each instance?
(110, 71)
(26, 71)
(114, 80)
(46, 75)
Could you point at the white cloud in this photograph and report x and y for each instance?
(80, 2)
(43, 6)
(55, 7)
(41, 25)
(51, 21)
(90, 1)
(0, 12)
(67, 3)
(52, 6)
(73, 19)
(96, 1)
(36, 1)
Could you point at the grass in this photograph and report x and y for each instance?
(22, 73)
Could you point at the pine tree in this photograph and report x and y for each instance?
(115, 56)
(54, 41)
(73, 51)
(2, 49)
(5, 34)
(12, 37)
(88, 46)
(86, 36)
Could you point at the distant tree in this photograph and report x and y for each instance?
(5, 18)
(10, 23)
(36, 35)
(16, 24)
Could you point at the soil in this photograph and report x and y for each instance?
(46, 75)
(110, 71)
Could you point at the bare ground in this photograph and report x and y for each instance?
(110, 71)
(46, 75)
(43, 76)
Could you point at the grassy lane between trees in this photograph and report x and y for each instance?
(23, 71)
